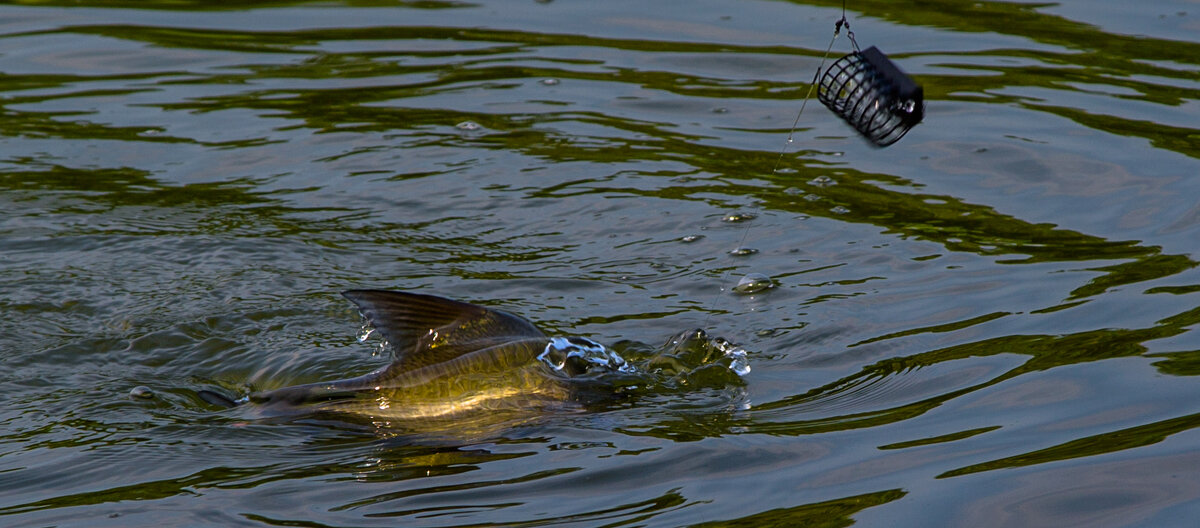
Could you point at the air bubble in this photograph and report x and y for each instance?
(754, 283)
(737, 217)
(822, 181)
(468, 126)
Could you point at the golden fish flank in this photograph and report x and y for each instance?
(450, 358)
(517, 389)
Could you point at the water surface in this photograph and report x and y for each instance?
(991, 323)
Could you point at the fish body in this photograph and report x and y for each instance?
(466, 369)
(450, 359)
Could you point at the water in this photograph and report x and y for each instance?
(992, 322)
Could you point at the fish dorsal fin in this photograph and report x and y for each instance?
(426, 330)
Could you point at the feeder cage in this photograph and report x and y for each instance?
(868, 91)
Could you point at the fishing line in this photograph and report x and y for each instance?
(865, 89)
(837, 29)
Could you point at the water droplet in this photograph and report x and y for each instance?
(737, 217)
(837, 209)
(822, 181)
(790, 140)
(743, 251)
(754, 283)
(364, 333)
(550, 82)
(691, 238)
(141, 392)
(469, 126)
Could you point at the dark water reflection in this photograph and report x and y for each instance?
(992, 322)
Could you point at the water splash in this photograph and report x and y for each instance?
(575, 356)
(693, 352)
(689, 359)
(739, 363)
(366, 333)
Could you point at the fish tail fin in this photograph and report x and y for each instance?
(215, 398)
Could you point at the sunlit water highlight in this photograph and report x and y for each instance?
(992, 322)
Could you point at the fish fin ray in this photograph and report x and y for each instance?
(216, 398)
(426, 330)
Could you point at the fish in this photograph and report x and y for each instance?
(470, 369)
(450, 359)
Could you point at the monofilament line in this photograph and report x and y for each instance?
(837, 29)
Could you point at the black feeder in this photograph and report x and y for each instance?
(867, 90)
